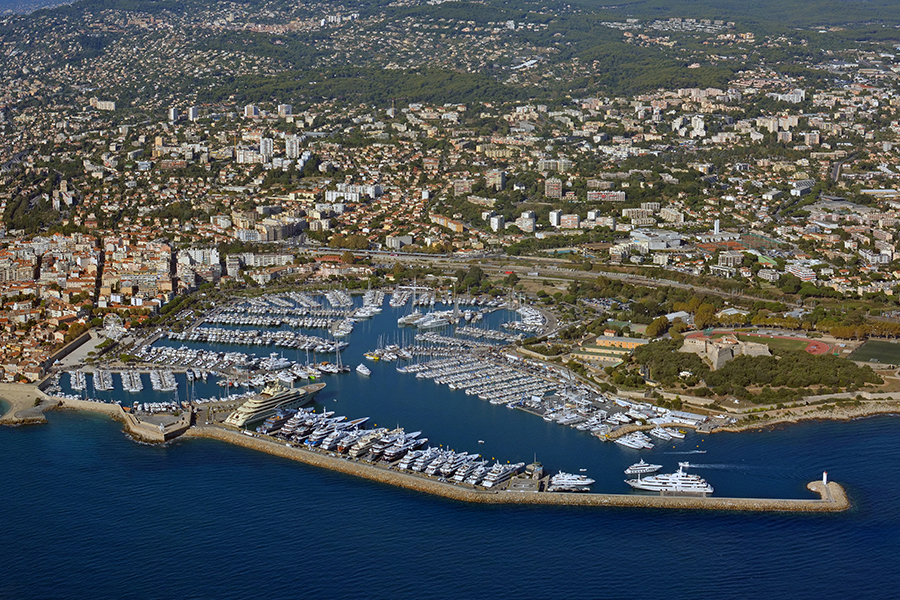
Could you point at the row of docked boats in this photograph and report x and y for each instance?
(153, 408)
(373, 299)
(432, 337)
(532, 320)
(640, 440)
(207, 360)
(284, 301)
(163, 381)
(245, 320)
(389, 353)
(485, 333)
(425, 296)
(339, 298)
(103, 380)
(132, 382)
(342, 328)
(78, 380)
(258, 337)
(403, 450)
(497, 383)
(193, 375)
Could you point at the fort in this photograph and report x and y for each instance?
(722, 350)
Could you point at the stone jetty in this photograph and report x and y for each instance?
(832, 496)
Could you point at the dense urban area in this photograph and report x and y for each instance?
(638, 178)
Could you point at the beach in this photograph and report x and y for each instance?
(22, 408)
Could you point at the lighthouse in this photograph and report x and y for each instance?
(825, 477)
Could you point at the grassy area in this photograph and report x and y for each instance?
(772, 343)
(776, 343)
(882, 352)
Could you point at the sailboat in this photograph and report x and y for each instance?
(414, 315)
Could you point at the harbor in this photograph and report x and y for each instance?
(460, 382)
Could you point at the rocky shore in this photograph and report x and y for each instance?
(815, 413)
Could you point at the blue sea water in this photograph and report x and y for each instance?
(88, 513)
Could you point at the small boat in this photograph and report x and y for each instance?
(363, 370)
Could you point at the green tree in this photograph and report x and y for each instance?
(705, 316)
(657, 327)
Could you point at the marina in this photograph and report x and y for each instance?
(415, 378)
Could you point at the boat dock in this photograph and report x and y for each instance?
(832, 497)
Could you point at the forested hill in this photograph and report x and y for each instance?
(766, 13)
(381, 50)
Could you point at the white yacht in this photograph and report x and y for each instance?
(678, 483)
(642, 468)
(676, 433)
(660, 433)
(568, 482)
(500, 473)
(362, 369)
(264, 405)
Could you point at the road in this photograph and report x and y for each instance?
(836, 169)
(546, 269)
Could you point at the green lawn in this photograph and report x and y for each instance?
(882, 352)
(776, 343)
(772, 343)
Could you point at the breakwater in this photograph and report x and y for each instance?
(832, 496)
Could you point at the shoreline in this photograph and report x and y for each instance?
(22, 409)
(846, 413)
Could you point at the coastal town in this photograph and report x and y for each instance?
(724, 250)
(504, 288)
(106, 214)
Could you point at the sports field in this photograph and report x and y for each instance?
(776, 343)
(877, 351)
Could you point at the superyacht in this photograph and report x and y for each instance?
(273, 397)
(642, 468)
(678, 483)
(568, 482)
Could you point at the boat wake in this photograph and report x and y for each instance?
(688, 452)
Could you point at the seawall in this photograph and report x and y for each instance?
(138, 429)
(832, 497)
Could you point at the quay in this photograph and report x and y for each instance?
(832, 497)
(27, 405)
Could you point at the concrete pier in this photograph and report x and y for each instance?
(832, 497)
(150, 430)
